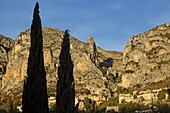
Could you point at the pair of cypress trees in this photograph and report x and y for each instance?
(35, 99)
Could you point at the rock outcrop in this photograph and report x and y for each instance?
(86, 74)
(147, 57)
(5, 46)
(92, 50)
(35, 99)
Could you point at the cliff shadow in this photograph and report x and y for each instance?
(106, 63)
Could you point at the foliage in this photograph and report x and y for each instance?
(161, 95)
(53, 107)
(138, 85)
(142, 98)
(111, 101)
(83, 91)
(51, 92)
(88, 104)
(125, 90)
(102, 107)
(103, 70)
(167, 85)
(131, 107)
(9, 102)
(158, 85)
(164, 108)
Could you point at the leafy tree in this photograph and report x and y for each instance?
(83, 91)
(142, 98)
(131, 107)
(103, 70)
(161, 95)
(123, 101)
(113, 101)
(88, 104)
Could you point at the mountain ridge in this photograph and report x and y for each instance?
(87, 74)
(145, 60)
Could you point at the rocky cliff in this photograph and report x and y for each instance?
(5, 46)
(86, 60)
(146, 57)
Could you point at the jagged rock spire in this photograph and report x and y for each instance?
(65, 99)
(35, 98)
(93, 50)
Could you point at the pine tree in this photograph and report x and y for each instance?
(65, 84)
(35, 99)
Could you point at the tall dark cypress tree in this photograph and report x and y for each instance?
(65, 99)
(35, 99)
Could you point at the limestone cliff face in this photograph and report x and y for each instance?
(5, 46)
(147, 57)
(86, 73)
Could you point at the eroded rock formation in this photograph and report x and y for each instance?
(5, 46)
(86, 74)
(147, 57)
(92, 50)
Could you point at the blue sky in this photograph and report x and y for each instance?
(110, 22)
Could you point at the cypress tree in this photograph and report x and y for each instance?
(35, 99)
(65, 98)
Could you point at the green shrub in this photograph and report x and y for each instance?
(102, 108)
(161, 95)
(88, 104)
(113, 101)
(103, 70)
(131, 107)
(83, 91)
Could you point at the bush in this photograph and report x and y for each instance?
(53, 107)
(83, 91)
(88, 104)
(103, 70)
(113, 101)
(125, 90)
(131, 107)
(102, 108)
(161, 95)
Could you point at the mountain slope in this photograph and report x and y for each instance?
(5, 46)
(147, 57)
(87, 74)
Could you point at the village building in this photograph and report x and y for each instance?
(51, 101)
(115, 108)
(126, 97)
(148, 97)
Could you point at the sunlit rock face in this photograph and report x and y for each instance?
(5, 46)
(147, 57)
(86, 72)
